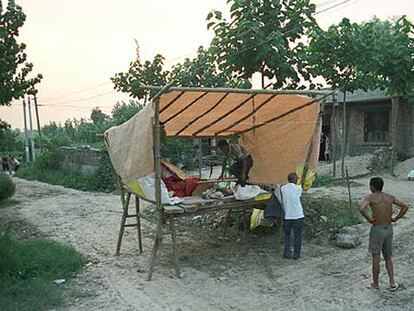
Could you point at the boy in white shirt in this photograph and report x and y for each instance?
(293, 218)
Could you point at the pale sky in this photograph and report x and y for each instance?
(79, 44)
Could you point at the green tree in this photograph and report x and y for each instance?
(263, 36)
(98, 117)
(390, 50)
(202, 71)
(147, 73)
(122, 112)
(9, 139)
(14, 68)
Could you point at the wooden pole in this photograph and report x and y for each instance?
(39, 130)
(125, 206)
(26, 136)
(333, 137)
(200, 157)
(157, 166)
(395, 101)
(137, 208)
(344, 134)
(349, 190)
(310, 149)
(174, 243)
(243, 91)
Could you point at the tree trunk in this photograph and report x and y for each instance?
(333, 135)
(344, 133)
(395, 103)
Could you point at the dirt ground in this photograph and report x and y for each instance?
(217, 275)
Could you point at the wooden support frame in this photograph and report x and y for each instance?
(165, 214)
(125, 201)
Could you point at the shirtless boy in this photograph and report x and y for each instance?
(380, 236)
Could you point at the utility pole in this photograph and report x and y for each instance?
(39, 130)
(26, 138)
(32, 145)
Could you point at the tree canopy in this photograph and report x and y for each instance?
(265, 36)
(14, 68)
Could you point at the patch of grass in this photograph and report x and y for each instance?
(103, 179)
(328, 214)
(67, 177)
(326, 181)
(27, 271)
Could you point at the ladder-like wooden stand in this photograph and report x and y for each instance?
(125, 201)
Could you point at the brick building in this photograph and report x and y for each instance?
(369, 122)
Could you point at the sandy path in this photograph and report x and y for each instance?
(218, 275)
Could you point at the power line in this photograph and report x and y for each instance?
(332, 7)
(80, 99)
(76, 92)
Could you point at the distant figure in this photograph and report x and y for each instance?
(243, 161)
(10, 161)
(327, 148)
(16, 163)
(293, 219)
(381, 233)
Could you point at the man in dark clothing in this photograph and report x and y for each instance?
(243, 162)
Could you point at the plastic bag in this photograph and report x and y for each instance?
(309, 178)
(145, 188)
(247, 192)
(256, 218)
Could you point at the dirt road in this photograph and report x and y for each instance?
(217, 275)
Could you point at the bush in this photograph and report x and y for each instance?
(47, 160)
(27, 271)
(7, 187)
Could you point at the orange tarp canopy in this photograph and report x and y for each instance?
(277, 129)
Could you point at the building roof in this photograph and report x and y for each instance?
(361, 96)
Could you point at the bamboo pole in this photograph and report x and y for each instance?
(157, 165)
(243, 91)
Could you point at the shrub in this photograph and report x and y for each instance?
(7, 187)
(47, 160)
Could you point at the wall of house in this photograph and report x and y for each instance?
(405, 128)
(85, 159)
(356, 127)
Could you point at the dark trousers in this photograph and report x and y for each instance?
(236, 170)
(296, 225)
